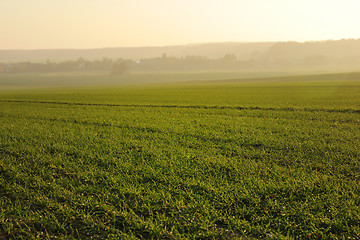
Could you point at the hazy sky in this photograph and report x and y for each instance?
(37, 24)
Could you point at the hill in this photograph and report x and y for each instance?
(211, 50)
(331, 54)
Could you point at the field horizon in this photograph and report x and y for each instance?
(200, 155)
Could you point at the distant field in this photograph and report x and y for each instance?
(78, 79)
(13, 81)
(227, 157)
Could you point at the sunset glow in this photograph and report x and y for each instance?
(39, 24)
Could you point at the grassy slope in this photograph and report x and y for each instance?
(275, 158)
(76, 79)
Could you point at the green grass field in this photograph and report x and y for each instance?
(267, 157)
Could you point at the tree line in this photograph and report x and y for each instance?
(169, 63)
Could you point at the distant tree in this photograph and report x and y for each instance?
(81, 63)
(229, 58)
(119, 67)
